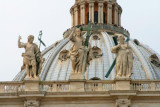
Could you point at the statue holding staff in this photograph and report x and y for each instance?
(32, 59)
(78, 52)
(124, 60)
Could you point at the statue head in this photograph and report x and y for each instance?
(78, 32)
(30, 38)
(121, 39)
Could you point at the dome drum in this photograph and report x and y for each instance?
(98, 12)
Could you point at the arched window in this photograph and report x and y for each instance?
(95, 17)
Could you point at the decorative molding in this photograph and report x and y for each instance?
(96, 52)
(64, 55)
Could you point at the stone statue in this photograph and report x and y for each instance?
(32, 59)
(79, 52)
(124, 60)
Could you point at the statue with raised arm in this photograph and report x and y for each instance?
(32, 59)
(124, 60)
(78, 52)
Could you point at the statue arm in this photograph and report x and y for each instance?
(20, 44)
(115, 49)
(71, 37)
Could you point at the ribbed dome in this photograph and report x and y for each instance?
(55, 68)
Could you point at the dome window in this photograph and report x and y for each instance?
(64, 55)
(136, 42)
(95, 37)
(96, 52)
(154, 60)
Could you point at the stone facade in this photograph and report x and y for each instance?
(81, 93)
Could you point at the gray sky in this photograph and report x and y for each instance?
(24, 17)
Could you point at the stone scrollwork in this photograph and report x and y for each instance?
(96, 52)
(154, 60)
(31, 103)
(64, 55)
(95, 37)
(123, 103)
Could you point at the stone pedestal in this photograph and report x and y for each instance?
(1, 88)
(77, 85)
(31, 84)
(77, 82)
(122, 84)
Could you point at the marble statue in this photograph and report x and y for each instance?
(124, 60)
(32, 59)
(79, 52)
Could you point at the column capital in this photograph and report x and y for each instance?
(100, 4)
(82, 6)
(82, 3)
(119, 11)
(76, 9)
(109, 5)
(72, 11)
(116, 8)
(91, 5)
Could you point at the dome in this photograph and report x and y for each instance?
(105, 27)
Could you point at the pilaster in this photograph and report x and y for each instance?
(100, 12)
(72, 14)
(82, 7)
(109, 12)
(119, 16)
(116, 14)
(91, 11)
(76, 16)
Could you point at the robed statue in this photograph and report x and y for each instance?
(79, 53)
(32, 59)
(124, 60)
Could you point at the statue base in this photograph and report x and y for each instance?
(123, 83)
(77, 82)
(32, 84)
(76, 76)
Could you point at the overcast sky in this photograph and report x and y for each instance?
(24, 17)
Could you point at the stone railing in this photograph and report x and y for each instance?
(79, 86)
(99, 85)
(51, 86)
(145, 85)
(11, 87)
